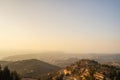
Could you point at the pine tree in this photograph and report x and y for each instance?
(0, 73)
(6, 73)
(14, 76)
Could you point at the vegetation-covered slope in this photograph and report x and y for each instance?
(31, 68)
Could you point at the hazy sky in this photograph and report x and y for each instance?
(82, 26)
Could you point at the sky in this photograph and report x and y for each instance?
(73, 26)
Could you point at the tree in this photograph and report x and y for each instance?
(6, 73)
(14, 76)
(0, 73)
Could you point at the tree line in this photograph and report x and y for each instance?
(6, 74)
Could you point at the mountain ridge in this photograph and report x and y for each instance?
(66, 59)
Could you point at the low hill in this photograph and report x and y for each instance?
(31, 68)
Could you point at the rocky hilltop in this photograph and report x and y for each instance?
(86, 70)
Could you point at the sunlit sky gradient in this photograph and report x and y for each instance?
(80, 26)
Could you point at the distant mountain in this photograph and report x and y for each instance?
(86, 70)
(31, 68)
(62, 59)
(67, 62)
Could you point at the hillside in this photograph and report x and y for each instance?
(87, 70)
(31, 68)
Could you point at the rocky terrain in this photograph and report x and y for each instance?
(86, 70)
